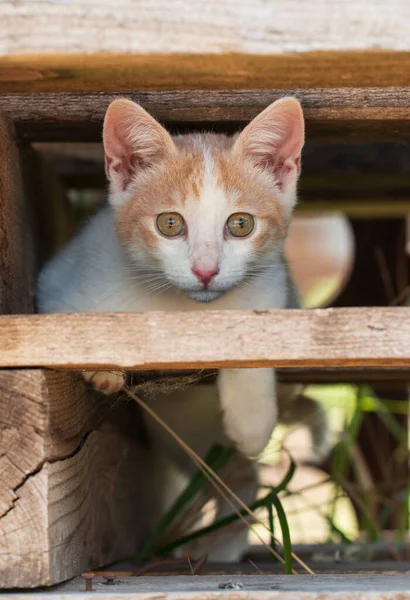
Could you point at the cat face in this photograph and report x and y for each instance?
(202, 212)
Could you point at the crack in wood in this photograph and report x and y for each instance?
(38, 469)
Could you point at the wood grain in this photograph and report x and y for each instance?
(16, 248)
(185, 340)
(350, 113)
(228, 71)
(71, 471)
(215, 26)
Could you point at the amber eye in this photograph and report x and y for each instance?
(170, 224)
(240, 224)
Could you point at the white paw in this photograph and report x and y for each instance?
(107, 382)
(248, 403)
(252, 437)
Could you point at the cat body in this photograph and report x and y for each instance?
(194, 222)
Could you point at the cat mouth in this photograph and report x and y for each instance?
(204, 295)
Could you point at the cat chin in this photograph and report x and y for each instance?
(204, 295)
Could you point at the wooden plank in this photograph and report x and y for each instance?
(201, 71)
(285, 26)
(396, 376)
(71, 471)
(16, 247)
(237, 587)
(186, 340)
(375, 208)
(349, 113)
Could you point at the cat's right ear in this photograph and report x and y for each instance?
(133, 140)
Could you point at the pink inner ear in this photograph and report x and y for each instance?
(132, 140)
(124, 167)
(274, 140)
(285, 171)
(119, 161)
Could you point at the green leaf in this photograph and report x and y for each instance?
(287, 545)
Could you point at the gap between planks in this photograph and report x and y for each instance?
(343, 337)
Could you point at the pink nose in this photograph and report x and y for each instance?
(205, 275)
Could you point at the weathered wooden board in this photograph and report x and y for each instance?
(356, 113)
(16, 247)
(185, 340)
(214, 26)
(230, 71)
(71, 471)
(237, 587)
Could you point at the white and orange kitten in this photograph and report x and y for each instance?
(195, 222)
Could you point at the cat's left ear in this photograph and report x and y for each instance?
(274, 141)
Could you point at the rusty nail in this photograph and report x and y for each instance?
(88, 578)
(199, 563)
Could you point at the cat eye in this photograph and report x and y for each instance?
(240, 224)
(170, 224)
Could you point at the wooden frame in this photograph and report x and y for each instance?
(58, 443)
(355, 113)
(342, 337)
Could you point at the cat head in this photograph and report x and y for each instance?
(203, 211)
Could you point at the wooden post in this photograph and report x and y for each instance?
(75, 483)
(16, 248)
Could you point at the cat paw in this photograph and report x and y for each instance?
(251, 443)
(107, 382)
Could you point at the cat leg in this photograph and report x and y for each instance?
(248, 402)
(107, 382)
(229, 543)
(297, 409)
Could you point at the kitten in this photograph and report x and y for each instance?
(194, 222)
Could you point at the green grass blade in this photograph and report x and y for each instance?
(386, 416)
(271, 527)
(287, 545)
(216, 458)
(344, 539)
(262, 502)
